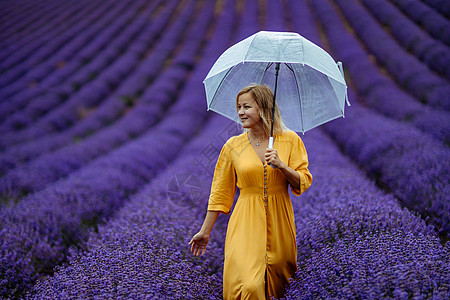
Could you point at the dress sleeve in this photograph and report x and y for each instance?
(223, 187)
(299, 162)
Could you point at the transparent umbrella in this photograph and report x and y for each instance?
(309, 86)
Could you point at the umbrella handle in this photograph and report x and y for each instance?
(271, 147)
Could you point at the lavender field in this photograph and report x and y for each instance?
(107, 151)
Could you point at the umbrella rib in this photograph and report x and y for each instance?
(265, 72)
(289, 67)
(250, 45)
(268, 66)
(299, 95)
(218, 87)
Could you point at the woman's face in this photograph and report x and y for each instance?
(248, 111)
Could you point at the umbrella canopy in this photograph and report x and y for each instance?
(311, 88)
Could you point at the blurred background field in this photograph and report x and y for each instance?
(107, 151)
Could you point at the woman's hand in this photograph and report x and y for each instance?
(292, 176)
(271, 157)
(198, 243)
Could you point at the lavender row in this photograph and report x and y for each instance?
(408, 162)
(345, 229)
(56, 38)
(48, 20)
(410, 73)
(152, 217)
(157, 99)
(303, 21)
(379, 92)
(47, 62)
(375, 266)
(16, 25)
(38, 230)
(88, 96)
(139, 263)
(434, 53)
(41, 226)
(249, 24)
(129, 97)
(41, 102)
(47, 76)
(53, 90)
(36, 174)
(442, 6)
(22, 18)
(127, 87)
(47, 223)
(430, 19)
(275, 18)
(21, 92)
(62, 47)
(14, 13)
(411, 165)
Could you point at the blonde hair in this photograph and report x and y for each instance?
(263, 97)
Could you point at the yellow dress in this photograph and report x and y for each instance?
(260, 246)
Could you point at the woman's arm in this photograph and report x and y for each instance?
(291, 175)
(201, 238)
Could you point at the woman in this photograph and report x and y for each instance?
(260, 246)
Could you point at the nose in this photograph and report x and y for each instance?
(240, 111)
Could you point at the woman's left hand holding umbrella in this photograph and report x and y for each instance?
(272, 158)
(291, 175)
